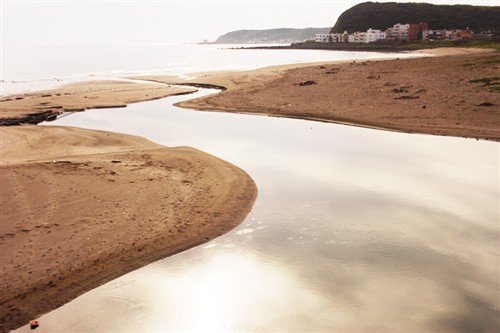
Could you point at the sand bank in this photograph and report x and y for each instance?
(444, 95)
(44, 105)
(79, 208)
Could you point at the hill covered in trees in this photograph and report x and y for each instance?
(284, 35)
(384, 15)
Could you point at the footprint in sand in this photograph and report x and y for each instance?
(52, 205)
(22, 200)
(36, 212)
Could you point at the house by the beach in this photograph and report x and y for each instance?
(398, 32)
(369, 36)
(455, 34)
(329, 38)
(373, 35)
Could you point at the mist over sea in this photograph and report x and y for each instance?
(35, 68)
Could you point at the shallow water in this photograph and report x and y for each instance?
(354, 230)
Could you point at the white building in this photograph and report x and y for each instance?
(358, 37)
(328, 38)
(375, 35)
(370, 36)
(322, 38)
(398, 32)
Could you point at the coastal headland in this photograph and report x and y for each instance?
(80, 207)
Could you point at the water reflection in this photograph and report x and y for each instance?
(354, 230)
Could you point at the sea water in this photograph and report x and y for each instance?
(42, 67)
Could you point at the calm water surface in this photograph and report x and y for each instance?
(354, 230)
(42, 67)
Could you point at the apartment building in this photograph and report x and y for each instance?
(398, 32)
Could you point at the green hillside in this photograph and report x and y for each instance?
(284, 35)
(384, 15)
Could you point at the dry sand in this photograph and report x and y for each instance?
(79, 208)
(432, 95)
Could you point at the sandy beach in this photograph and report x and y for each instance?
(446, 94)
(35, 107)
(80, 208)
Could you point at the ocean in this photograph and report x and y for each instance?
(34, 68)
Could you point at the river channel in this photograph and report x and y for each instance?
(354, 230)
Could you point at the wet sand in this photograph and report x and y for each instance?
(44, 105)
(80, 208)
(431, 95)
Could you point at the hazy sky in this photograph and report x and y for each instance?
(61, 22)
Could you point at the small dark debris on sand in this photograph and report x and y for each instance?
(306, 83)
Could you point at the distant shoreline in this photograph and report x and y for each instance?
(379, 46)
